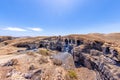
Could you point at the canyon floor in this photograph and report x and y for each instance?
(72, 57)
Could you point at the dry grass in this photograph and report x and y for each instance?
(43, 59)
(31, 54)
(44, 52)
(72, 74)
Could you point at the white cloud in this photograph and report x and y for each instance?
(22, 29)
(14, 29)
(36, 29)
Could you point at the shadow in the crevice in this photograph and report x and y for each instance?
(117, 63)
(78, 64)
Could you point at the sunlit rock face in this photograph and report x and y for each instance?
(67, 60)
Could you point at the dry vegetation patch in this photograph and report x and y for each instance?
(57, 62)
(44, 51)
(72, 74)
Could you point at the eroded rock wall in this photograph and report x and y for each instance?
(103, 61)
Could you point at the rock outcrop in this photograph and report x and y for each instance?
(104, 62)
(93, 53)
(5, 38)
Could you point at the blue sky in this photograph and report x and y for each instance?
(58, 17)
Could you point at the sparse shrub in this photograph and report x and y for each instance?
(15, 61)
(5, 43)
(43, 51)
(57, 62)
(43, 60)
(72, 74)
(31, 53)
(32, 67)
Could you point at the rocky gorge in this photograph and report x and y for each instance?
(95, 54)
